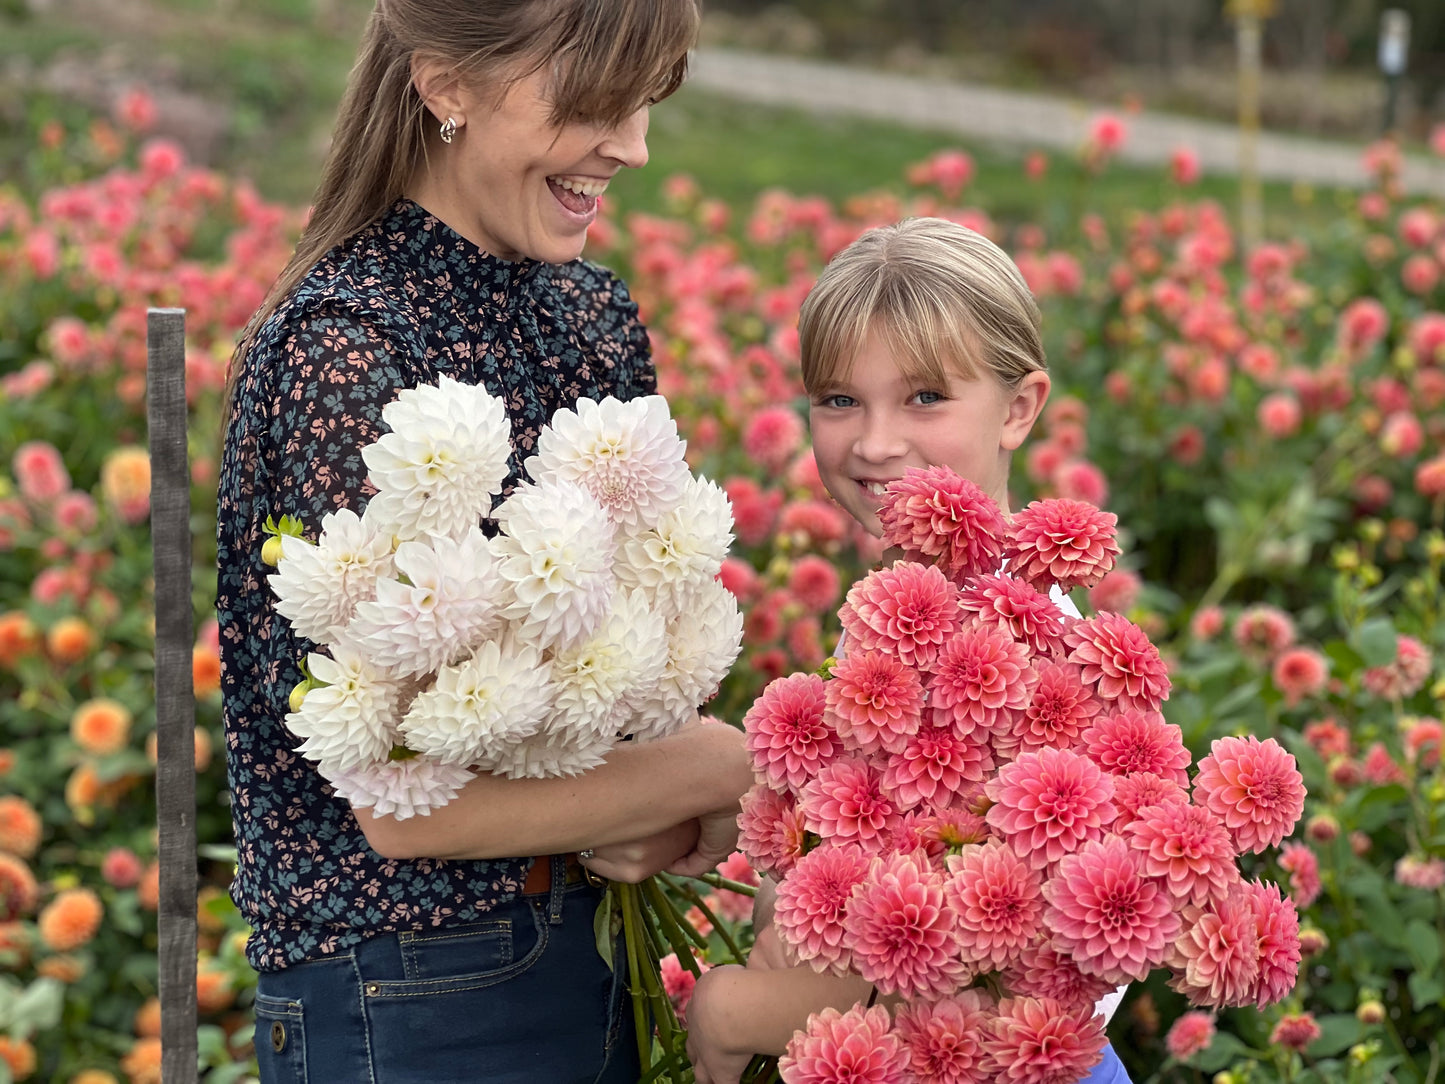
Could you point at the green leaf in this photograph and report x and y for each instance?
(1423, 946)
(1338, 1032)
(602, 930)
(1427, 989)
(1375, 807)
(1311, 766)
(1223, 1050)
(39, 1007)
(1220, 514)
(1248, 693)
(1377, 641)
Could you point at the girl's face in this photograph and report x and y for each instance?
(872, 426)
(517, 185)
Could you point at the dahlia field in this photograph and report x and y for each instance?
(1266, 425)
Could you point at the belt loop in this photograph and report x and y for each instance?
(559, 888)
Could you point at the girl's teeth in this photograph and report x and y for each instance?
(876, 488)
(582, 188)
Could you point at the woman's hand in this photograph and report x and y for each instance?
(707, 1012)
(638, 859)
(717, 837)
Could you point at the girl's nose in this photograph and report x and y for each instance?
(880, 439)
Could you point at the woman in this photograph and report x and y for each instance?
(471, 147)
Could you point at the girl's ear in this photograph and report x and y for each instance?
(1025, 404)
(439, 87)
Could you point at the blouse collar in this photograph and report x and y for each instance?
(434, 247)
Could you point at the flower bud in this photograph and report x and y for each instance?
(1360, 843)
(298, 694)
(1371, 1011)
(271, 551)
(1312, 941)
(1322, 827)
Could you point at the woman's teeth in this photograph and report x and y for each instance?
(581, 187)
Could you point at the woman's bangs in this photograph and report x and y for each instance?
(616, 56)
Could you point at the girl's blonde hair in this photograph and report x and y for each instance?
(609, 57)
(942, 298)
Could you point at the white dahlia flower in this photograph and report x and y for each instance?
(627, 455)
(683, 551)
(702, 645)
(318, 586)
(480, 707)
(348, 717)
(441, 605)
(546, 755)
(555, 557)
(399, 788)
(444, 459)
(600, 679)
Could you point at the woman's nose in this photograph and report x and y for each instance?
(627, 142)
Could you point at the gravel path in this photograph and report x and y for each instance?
(1033, 120)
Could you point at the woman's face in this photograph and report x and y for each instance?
(519, 186)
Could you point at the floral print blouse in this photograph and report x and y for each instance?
(400, 303)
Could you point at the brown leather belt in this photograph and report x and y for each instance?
(539, 877)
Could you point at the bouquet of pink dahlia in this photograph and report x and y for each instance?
(981, 810)
(445, 652)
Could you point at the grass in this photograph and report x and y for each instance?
(275, 79)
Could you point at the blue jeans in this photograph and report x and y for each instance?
(1108, 1071)
(520, 998)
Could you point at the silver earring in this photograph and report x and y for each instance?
(448, 129)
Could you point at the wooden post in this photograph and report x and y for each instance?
(1249, 16)
(175, 695)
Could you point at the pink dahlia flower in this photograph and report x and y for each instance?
(812, 901)
(1025, 613)
(1190, 1034)
(900, 930)
(1299, 672)
(937, 517)
(1187, 848)
(1277, 924)
(1262, 632)
(1048, 803)
(945, 1038)
(770, 830)
(678, 983)
(1060, 708)
(1215, 958)
(786, 734)
(1116, 921)
(957, 825)
(1299, 861)
(845, 803)
(1413, 871)
(855, 1047)
(934, 766)
(1138, 741)
(1119, 661)
(1039, 1041)
(1379, 767)
(1064, 542)
(981, 678)
(1255, 787)
(909, 610)
(1139, 790)
(1043, 971)
(1295, 1031)
(1405, 676)
(998, 898)
(875, 702)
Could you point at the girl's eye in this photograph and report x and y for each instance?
(838, 401)
(928, 398)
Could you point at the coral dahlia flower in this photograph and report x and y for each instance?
(998, 898)
(770, 830)
(1277, 924)
(1043, 971)
(981, 678)
(1216, 956)
(1027, 614)
(934, 766)
(903, 933)
(874, 701)
(1138, 790)
(945, 1038)
(908, 610)
(787, 735)
(855, 1047)
(1190, 1034)
(1064, 542)
(1255, 787)
(1115, 920)
(1117, 658)
(812, 901)
(1059, 709)
(1047, 803)
(1138, 741)
(937, 517)
(1187, 848)
(845, 803)
(1039, 1041)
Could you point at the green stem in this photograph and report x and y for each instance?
(639, 1010)
(672, 924)
(693, 897)
(717, 881)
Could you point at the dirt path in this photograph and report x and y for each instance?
(1032, 120)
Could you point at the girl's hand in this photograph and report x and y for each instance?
(712, 1062)
(767, 952)
(638, 859)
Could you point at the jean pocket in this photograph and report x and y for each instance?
(475, 949)
(280, 1040)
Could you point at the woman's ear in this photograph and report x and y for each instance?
(1026, 403)
(439, 87)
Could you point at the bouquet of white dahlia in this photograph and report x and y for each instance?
(529, 653)
(982, 811)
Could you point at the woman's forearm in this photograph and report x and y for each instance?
(641, 789)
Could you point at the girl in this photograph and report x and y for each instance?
(472, 145)
(921, 346)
